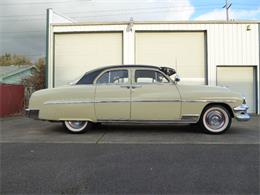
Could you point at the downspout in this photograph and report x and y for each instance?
(47, 47)
(258, 77)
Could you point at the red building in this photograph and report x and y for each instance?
(11, 98)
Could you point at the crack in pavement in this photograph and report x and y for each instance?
(99, 139)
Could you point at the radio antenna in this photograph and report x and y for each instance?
(227, 6)
(176, 64)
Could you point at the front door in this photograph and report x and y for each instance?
(154, 97)
(112, 97)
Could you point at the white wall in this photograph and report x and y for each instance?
(227, 44)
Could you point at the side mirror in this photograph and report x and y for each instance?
(177, 78)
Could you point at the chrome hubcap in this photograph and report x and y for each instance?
(77, 124)
(215, 119)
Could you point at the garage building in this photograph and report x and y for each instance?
(203, 52)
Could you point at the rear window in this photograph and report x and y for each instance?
(89, 77)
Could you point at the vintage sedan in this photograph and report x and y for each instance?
(137, 94)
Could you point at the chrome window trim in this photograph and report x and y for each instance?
(112, 69)
(156, 70)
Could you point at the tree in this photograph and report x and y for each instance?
(37, 80)
(13, 59)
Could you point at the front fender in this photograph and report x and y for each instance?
(196, 98)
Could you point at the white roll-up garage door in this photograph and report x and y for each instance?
(240, 79)
(184, 51)
(76, 53)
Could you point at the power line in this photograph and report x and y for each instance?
(37, 17)
(143, 8)
(19, 18)
(237, 5)
(22, 15)
(134, 12)
(28, 54)
(36, 31)
(43, 2)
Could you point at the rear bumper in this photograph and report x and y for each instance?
(240, 113)
(34, 114)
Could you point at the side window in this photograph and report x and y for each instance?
(114, 76)
(149, 76)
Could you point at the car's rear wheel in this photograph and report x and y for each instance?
(77, 126)
(215, 119)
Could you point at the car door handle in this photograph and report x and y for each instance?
(136, 86)
(125, 86)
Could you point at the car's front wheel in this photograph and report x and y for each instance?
(77, 126)
(215, 119)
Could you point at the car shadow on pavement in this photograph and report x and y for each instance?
(59, 128)
(149, 128)
(28, 130)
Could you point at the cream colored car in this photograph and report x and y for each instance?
(137, 94)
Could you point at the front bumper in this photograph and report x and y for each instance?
(34, 114)
(240, 113)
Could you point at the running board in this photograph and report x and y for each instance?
(183, 120)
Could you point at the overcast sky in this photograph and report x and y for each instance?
(23, 22)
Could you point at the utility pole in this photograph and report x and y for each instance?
(227, 6)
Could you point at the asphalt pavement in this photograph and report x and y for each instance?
(42, 158)
(24, 130)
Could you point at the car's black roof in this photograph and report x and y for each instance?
(128, 66)
(90, 76)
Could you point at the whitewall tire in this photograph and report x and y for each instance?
(215, 119)
(77, 126)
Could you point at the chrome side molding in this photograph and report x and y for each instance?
(86, 101)
(210, 101)
(79, 101)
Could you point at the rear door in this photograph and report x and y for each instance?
(154, 96)
(112, 96)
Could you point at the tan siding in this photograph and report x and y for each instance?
(239, 79)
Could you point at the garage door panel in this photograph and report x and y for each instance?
(184, 51)
(239, 79)
(80, 52)
(64, 75)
